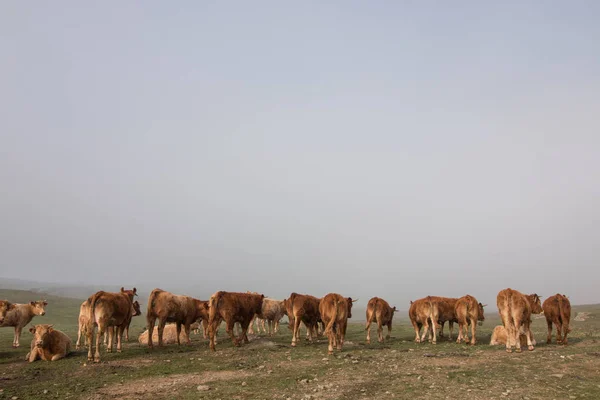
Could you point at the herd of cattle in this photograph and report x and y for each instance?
(108, 313)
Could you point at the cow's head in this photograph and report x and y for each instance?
(41, 334)
(202, 308)
(131, 293)
(136, 309)
(350, 304)
(535, 303)
(481, 317)
(394, 309)
(38, 307)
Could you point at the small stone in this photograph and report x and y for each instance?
(244, 383)
(45, 391)
(559, 376)
(203, 388)
(305, 381)
(504, 394)
(167, 360)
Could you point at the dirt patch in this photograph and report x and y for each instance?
(164, 385)
(582, 316)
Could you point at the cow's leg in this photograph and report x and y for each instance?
(78, 344)
(161, 329)
(229, 329)
(204, 329)
(33, 354)
(559, 338)
(340, 336)
(295, 331)
(186, 328)
(178, 325)
(127, 333)
(549, 338)
(516, 334)
(244, 336)
(276, 327)
(212, 332)
(18, 335)
(460, 332)
(450, 329)
(379, 331)
(473, 331)
(442, 329)
(101, 330)
(110, 334)
(90, 341)
(150, 321)
(368, 329)
(417, 331)
(389, 326)
(252, 325)
(119, 331)
(527, 325)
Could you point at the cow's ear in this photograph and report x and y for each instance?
(32, 303)
(262, 296)
(32, 329)
(50, 328)
(206, 305)
(122, 289)
(135, 291)
(45, 303)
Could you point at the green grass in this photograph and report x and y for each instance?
(270, 368)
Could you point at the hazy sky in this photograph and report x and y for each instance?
(397, 149)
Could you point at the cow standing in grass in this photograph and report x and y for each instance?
(22, 314)
(168, 307)
(379, 310)
(468, 312)
(335, 311)
(231, 308)
(106, 310)
(302, 308)
(423, 313)
(516, 308)
(557, 310)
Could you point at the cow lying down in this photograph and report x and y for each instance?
(499, 337)
(169, 334)
(48, 344)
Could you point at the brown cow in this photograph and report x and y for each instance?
(446, 313)
(135, 311)
(48, 344)
(169, 307)
(272, 311)
(22, 314)
(108, 309)
(5, 306)
(557, 310)
(499, 337)
(516, 308)
(232, 307)
(302, 308)
(468, 312)
(84, 317)
(335, 311)
(424, 313)
(379, 310)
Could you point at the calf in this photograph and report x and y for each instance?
(169, 335)
(22, 314)
(499, 337)
(231, 308)
(446, 313)
(424, 313)
(379, 310)
(106, 310)
(48, 344)
(302, 308)
(468, 312)
(335, 311)
(516, 308)
(272, 311)
(169, 307)
(84, 317)
(557, 310)
(135, 311)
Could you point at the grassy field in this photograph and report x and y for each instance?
(269, 368)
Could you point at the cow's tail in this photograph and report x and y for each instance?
(371, 316)
(433, 312)
(561, 310)
(212, 307)
(151, 302)
(92, 310)
(331, 322)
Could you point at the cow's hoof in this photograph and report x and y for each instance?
(530, 348)
(293, 344)
(330, 352)
(368, 342)
(96, 359)
(380, 341)
(109, 350)
(434, 342)
(509, 350)
(119, 351)
(518, 350)
(548, 341)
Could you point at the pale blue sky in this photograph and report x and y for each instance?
(397, 149)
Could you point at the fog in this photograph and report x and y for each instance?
(394, 150)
